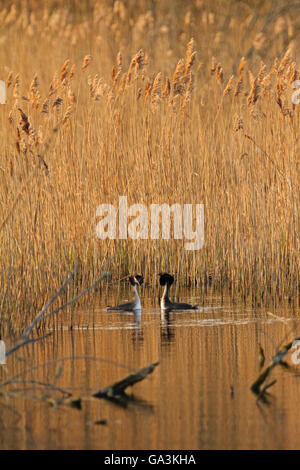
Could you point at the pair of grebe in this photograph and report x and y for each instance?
(166, 304)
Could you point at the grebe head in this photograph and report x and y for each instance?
(165, 278)
(136, 280)
(139, 278)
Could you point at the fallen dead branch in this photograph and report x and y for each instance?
(25, 341)
(276, 360)
(31, 369)
(75, 299)
(116, 391)
(42, 315)
(261, 356)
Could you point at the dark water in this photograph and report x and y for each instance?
(198, 397)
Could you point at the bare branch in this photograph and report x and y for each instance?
(72, 301)
(25, 341)
(118, 388)
(39, 317)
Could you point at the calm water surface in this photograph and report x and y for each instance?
(197, 398)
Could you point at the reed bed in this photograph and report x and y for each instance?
(116, 99)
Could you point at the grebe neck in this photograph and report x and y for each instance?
(136, 297)
(165, 297)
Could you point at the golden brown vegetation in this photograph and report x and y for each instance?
(185, 104)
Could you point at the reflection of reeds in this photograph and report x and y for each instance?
(155, 128)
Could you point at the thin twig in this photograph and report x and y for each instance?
(72, 301)
(25, 341)
(42, 315)
(70, 358)
(42, 384)
(39, 316)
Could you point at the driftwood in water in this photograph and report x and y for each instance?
(117, 390)
(277, 359)
(261, 356)
(115, 393)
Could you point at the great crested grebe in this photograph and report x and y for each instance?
(167, 280)
(135, 304)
